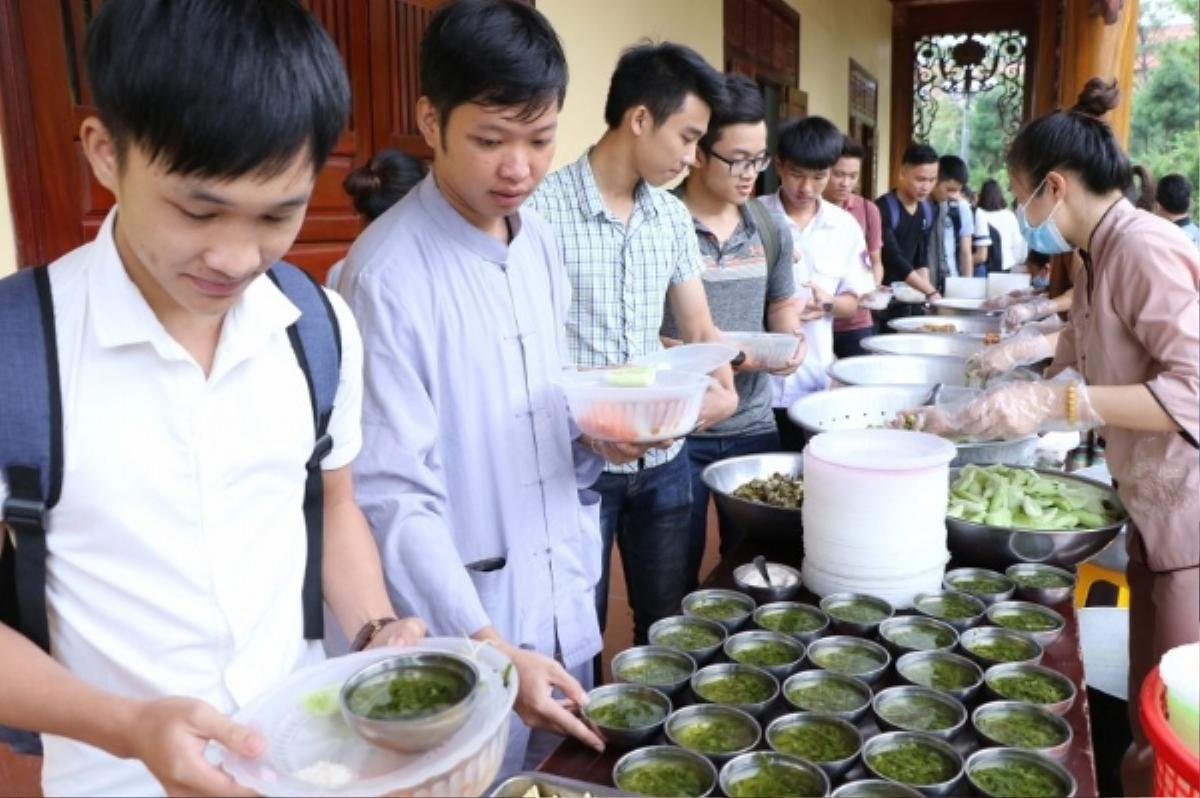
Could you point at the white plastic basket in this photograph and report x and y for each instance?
(667, 408)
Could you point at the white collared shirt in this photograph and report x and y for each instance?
(832, 253)
(177, 550)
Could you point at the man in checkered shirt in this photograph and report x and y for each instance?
(628, 246)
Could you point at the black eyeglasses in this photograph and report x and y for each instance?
(744, 167)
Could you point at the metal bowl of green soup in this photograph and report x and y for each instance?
(410, 702)
(918, 760)
(940, 670)
(960, 610)
(987, 586)
(856, 613)
(830, 693)
(852, 656)
(1016, 773)
(727, 607)
(696, 637)
(874, 788)
(917, 633)
(760, 774)
(1032, 684)
(993, 645)
(776, 653)
(743, 686)
(1013, 724)
(827, 741)
(664, 771)
(714, 730)
(1041, 623)
(802, 621)
(919, 709)
(1044, 584)
(664, 668)
(626, 715)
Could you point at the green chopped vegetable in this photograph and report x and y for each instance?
(663, 779)
(720, 609)
(1001, 650)
(321, 703)
(715, 734)
(919, 714)
(792, 619)
(827, 695)
(654, 671)
(765, 654)
(951, 607)
(1021, 730)
(980, 585)
(920, 638)
(940, 675)
(1025, 620)
(736, 688)
(856, 612)
(1014, 497)
(816, 741)
(847, 659)
(1036, 688)
(687, 637)
(913, 763)
(626, 712)
(778, 490)
(407, 694)
(1036, 579)
(771, 780)
(1018, 780)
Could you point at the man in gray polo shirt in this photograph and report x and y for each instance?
(747, 275)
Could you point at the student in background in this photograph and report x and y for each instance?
(841, 191)
(907, 217)
(748, 280)
(951, 250)
(831, 269)
(1013, 249)
(378, 185)
(628, 246)
(1173, 200)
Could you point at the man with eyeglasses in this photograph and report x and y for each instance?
(832, 267)
(747, 276)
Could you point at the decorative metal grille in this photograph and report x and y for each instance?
(964, 65)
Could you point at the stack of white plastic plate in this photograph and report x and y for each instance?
(874, 513)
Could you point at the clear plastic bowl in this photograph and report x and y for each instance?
(665, 409)
(773, 350)
(695, 358)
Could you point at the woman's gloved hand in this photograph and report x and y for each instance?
(1016, 316)
(1009, 299)
(1026, 347)
(1011, 410)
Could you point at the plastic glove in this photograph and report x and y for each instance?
(1009, 299)
(1027, 346)
(1033, 310)
(1048, 325)
(878, 299)
(1010, 410)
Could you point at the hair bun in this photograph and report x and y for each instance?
(362, 182)
(1098, 98)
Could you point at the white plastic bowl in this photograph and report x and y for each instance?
(695, 358)
(665, 409)
(773, 350)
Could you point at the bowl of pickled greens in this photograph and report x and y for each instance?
(1044, 584)
(995, 645)
(940, 670)
(960, 610)
(829, 693)
(852, 656)
(410, 702)
(919, 709)
(999, 515)
(761, 774)
(717, 731)
(699, 638)
(760, 495)
(1014, 724)
(776, 653)
(1031, 684)
(743, 686)
(1041, 623)
(664, 771)
(917, 633)
(1017, 773)
(856, 613)
(626, 715)
(802, 621)
(827, 741)
(914, 758)
(727, 607)
(662, 667)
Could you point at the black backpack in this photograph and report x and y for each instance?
(995, 258)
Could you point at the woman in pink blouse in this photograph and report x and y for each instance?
(1126, 362)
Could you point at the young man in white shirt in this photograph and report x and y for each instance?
(832, 267)
(952, 235)
(176, 552)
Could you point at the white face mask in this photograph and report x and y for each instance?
(1046, 237)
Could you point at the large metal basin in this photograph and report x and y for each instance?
(966, 326)
(923, 344)
(999, 547)
(900, 370)
(758, 521)
(963, 307)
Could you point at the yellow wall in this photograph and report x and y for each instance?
(593, 35)
(831, 34)
(8, 247)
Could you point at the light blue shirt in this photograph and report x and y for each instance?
(468, 450)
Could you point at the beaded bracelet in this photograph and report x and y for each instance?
(1072, 404)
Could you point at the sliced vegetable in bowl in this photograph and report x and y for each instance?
(1003, 496)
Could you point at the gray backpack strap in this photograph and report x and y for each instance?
(764, 223)
(30, 446)
(316, 340)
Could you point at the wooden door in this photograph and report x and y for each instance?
(57, 205)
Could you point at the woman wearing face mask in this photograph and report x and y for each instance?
(1134, 336)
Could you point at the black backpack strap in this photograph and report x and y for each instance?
(31, 447)
(316, 340)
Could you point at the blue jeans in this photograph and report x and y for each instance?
(702, 452)
(646, 513)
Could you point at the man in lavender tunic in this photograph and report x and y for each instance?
(471, 472)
